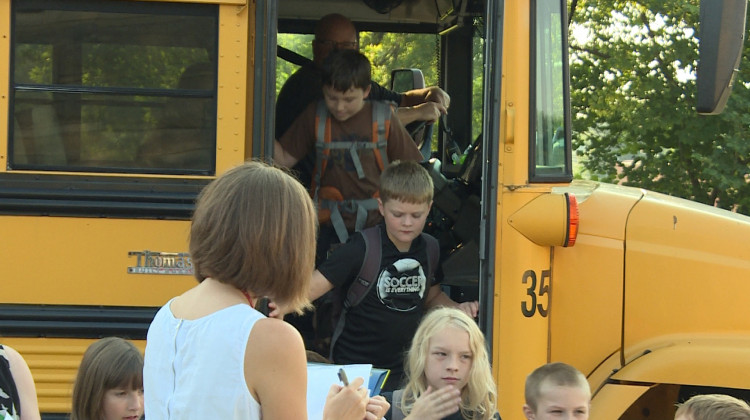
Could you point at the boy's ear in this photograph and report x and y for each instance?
(380, 207)
(528, 412)
(367, 91)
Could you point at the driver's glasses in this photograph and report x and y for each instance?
(345, 45)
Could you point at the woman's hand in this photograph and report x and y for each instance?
(347, 402)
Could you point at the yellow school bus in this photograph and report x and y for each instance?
(114, 114)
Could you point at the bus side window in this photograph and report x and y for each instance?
(181, 138)
(37, 136)
(90, 81)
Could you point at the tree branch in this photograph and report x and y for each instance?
(591, 51)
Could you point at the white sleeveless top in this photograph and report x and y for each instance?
(194, 369)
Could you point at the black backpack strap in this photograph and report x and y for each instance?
(370, 267)
(433, 256)
(364, 280)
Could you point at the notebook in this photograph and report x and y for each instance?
(320, 377)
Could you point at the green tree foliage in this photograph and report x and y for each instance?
(302, 45)
(389, 51)
(633, 102)
(386, 51)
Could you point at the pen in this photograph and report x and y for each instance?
(342, 377)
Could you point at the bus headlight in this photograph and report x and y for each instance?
(548, 220)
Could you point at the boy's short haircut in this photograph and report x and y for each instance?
(346, 69)
(559, 374)
(714, 407)
(254, 228)
(406, 181)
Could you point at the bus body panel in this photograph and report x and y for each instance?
(614, 399)
(234, 111)
(523, 269)
(720, 360)
(587, 277)
(4, 76)
(686, 270)
(85, 261)
(521, 303)
(514, 97)
(700, 363)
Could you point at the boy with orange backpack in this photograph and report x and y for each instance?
(354, 140)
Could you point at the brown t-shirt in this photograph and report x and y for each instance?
(340, 172)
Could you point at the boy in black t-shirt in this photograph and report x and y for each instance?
(379, 329)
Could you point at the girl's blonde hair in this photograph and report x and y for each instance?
(254, 228)
(109, 363)
(479, 396)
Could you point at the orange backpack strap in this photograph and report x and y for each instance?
(381, 123)
(329, 201)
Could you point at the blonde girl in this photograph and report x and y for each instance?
(448, 371)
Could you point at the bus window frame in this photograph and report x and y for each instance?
(536, 176)
(114, 7)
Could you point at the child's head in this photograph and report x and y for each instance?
(109, 384)
(333, 32)
(557, 388)
(406, 181)
(346, 83)
(713, 407)
(254, 228)
(449, 349)
(405, 199)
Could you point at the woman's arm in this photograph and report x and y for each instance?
(276, 370)
(24, 384)
(276, 376)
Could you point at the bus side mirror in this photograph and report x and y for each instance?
(722, 35)
(406, 79)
